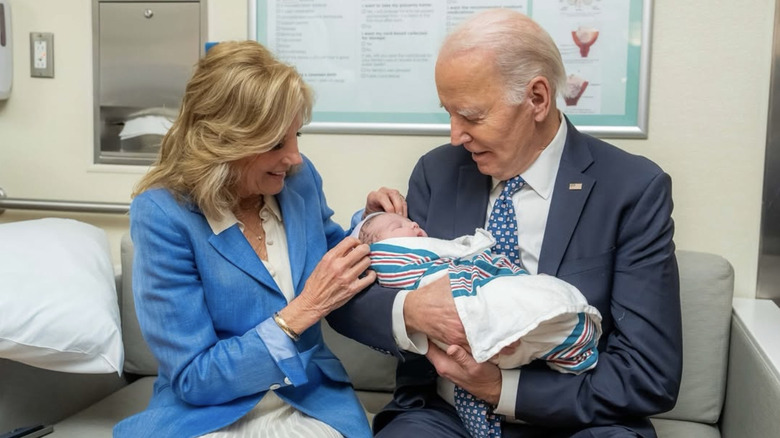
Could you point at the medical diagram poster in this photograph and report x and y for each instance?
(371, 62)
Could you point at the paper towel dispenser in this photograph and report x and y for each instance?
(6, 51)
(144, 54)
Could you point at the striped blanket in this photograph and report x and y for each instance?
(499, 303)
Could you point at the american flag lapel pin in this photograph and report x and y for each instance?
(575, 186)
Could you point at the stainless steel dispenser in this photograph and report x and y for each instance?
(143, 55)
(769, 250)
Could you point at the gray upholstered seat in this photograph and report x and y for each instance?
(706, 288)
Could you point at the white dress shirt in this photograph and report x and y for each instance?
(532, 206)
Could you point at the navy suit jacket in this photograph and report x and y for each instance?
(610, 235)
(205, 303)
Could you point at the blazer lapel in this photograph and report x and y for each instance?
(233, 246)
(293, 214)
(572, 188)
(471, 199)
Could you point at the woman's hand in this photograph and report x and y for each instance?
(335, 280)
(384, 199)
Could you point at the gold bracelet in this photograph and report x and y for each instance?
(285, 328)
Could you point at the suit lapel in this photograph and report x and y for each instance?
(471, 199)
(572, 188)
(293, 214)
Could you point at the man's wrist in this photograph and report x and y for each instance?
(409, 311)
(405, 340)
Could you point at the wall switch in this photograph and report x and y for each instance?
(41, 55)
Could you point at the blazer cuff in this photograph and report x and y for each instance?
(283, 351)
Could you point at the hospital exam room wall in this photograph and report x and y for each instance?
(709, 84)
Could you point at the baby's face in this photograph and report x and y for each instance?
(394, 225)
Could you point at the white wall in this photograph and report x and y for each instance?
(707, 128)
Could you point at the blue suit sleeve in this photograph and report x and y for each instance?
(367, 318)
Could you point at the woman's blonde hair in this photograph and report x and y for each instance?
(239, 102)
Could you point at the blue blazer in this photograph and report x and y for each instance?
(205, 304)
(611, 238)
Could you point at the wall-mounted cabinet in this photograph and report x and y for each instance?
(144, 53)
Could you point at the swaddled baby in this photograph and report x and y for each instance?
(510, 317)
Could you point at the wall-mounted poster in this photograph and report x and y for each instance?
(371, 62)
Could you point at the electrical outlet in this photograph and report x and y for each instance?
(41, 55)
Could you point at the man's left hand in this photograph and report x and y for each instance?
(483, 380)
(385, 199)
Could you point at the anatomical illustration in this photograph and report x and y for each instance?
(584, 37)
(575, 86)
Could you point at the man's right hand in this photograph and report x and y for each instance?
(431, 310)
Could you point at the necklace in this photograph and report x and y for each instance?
(259, 236)
(253, 228)
(256, 239)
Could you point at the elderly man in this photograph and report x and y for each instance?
(585, 212)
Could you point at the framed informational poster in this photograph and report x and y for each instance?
(371, 62)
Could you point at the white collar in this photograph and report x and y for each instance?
(540, 176)
(229, 219)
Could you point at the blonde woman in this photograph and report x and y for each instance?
(237, 260)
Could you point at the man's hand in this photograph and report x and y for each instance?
(482, 380)
(431, 310)
(385, 199)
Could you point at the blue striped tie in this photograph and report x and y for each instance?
(477, 415)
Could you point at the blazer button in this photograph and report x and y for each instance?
(274, 387)
(287, 381)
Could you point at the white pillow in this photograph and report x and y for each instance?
(58, 304)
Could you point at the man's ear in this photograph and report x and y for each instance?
(539, 95)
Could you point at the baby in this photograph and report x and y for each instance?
(510, 317)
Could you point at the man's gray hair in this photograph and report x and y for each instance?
(523, 50)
